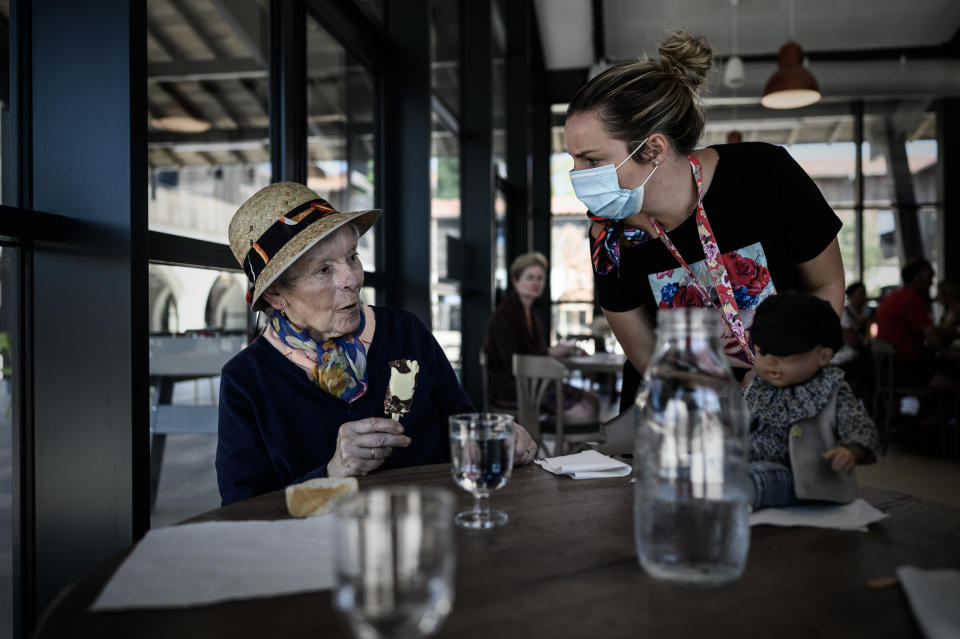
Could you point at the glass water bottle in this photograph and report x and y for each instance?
(691, 497)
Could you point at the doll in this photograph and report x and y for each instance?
(808, 429)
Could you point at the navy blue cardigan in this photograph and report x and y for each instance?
(277, 428)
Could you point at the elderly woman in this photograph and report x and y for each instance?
(514, 328)
(307, 398)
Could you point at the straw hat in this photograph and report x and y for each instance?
(277, 225)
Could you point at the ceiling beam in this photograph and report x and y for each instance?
(169, 46)
(248, 22)
(319, 65)
(181, 100)
(199, 28)
(794, 134)
(168, 139)
(835, 132)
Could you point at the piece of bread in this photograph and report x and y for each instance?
(318, 496)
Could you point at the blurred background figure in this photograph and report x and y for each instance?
(854, 356)
(948, 324)
(904, 320)
(514, 328)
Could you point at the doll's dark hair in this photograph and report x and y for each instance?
(794, 322)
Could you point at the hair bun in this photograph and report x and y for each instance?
(687, 57)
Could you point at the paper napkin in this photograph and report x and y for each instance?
(586, 465)
(853, 516)
(934, 596)
(217, 561)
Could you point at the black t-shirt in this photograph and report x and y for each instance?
(767, 216)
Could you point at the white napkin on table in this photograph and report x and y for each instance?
(853, 516)
(934, 596)
(588, 464)
(218, 561)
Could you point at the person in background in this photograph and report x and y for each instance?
(903, 319)
(515, 328)
(307, 398)
(948, 296)
(675, 226)
(854, 356)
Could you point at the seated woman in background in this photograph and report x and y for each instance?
(309, 397)
(854, 356)
(514, 328)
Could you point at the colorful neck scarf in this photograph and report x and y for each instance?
(606, 248)
(341, 368)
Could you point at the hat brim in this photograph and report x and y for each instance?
(303, 242)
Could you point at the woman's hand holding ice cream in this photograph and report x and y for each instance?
(363, 445)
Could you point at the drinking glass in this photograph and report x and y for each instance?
(481, 451)
(395, 561)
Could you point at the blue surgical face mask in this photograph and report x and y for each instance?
(599, 190)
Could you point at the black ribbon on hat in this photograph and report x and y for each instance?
(281, 232)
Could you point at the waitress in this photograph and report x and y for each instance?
(723, 227)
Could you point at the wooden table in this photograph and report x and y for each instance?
(565, 566)
(606, 365)
(597, 363)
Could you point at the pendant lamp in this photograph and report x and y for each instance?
(792, 85)
(733, 72)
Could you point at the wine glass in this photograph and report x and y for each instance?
(395, 561)
(481, 451)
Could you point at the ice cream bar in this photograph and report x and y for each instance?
(403, 381)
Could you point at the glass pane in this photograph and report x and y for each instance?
(571, 273)
(881, 266)
(198, 321)
(444, 238)
(6, 195)
(445, 54)
(832, 167)
(341, 147)
(9, 419)
(499, 99)
(848, 246)
(562, 198)
(500, 267)
(207, 98)
(573, 324)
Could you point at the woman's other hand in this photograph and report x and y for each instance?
(363, 445)
(524, 449)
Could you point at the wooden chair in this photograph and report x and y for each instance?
(535, 373)
(887, 394)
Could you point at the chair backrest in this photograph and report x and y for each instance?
(534, 374)
(883, 353)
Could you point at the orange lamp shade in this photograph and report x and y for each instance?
(792, 85)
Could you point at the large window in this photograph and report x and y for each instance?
(9, 378)
(9, 418)
(207, 97)
(445, 228)
(340, 127)
(833, 168)
(571, 274)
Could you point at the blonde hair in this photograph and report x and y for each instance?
(637, 99)
(525, 261)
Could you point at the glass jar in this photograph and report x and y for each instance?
(691, 496)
